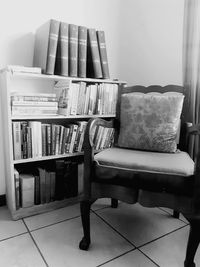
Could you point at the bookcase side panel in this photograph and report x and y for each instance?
(7, 140)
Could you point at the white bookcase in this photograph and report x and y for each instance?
(11, 81)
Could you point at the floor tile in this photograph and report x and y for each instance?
(9, 227)
(131, 259)
(101, 203)
(59, 243)
(20, 251)
(55, 216)
(138, 224)
(181, 217)
(170, 250)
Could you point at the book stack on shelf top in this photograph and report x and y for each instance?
(71, 50)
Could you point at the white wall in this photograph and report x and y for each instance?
(151, 47)
(144, 37)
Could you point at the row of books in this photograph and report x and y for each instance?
(34, 139)
(70, 50)
(86, 99)
(44, 184)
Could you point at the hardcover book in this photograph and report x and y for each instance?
(94, 64)
(62, 61)
(46, 39)
(103, 54)
(82, 51)
(73, 50)
(27, 184)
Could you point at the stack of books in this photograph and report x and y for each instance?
(33, 104)
(34, 139)
(86, 99)
(103, 137)
(71, 50)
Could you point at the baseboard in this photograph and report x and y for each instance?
(2, 200)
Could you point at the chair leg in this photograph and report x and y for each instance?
(176, 214)
(114, 203)
(85, 217)
(193, 242)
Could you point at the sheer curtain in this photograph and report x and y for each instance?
(191, 64)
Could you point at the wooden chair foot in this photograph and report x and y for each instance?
(114, 203)
(84, 244)
(176, 214)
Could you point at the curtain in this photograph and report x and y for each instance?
(191, 65)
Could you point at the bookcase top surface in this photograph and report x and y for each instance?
(58, 78)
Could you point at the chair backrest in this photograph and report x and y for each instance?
(160, 89)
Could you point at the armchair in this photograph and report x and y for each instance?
(147, 165)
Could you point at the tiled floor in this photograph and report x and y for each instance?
(128, 236)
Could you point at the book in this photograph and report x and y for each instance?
(47, 187)
(16, 134)
(27, 185)
(73, 50)
(17, 188)
(103, 54)
(70, 179)
(46, 39)
(38, 104)
(59, 187)
(52, 185)
(94, 63)
(63, 91)
(36, 134)
(34, 110)
(24, 69)
(62, 61)
(42, 175)
(82, 51)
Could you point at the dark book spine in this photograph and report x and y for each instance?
(60, 190)
(62, 62)
(103, 54)
(82, 51)
(73, 50)
(52, 46)
(94, 57)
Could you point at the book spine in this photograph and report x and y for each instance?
(103, 54)
(73, 50)
(17, 189)
(94, 50)
(82, 51)
(27, 182)
(16, 131)
(62, 61)
(34, 103)
(52, 46)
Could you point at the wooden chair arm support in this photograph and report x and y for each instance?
(89, 151)
(193, 129)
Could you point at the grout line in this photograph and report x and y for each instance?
(135, 247)
(51, 224)
(35, 244)
(13, 236)
(116, 257)
(155, 239)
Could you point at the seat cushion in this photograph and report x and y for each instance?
(153, 171)
(178, 163)
(150, 121)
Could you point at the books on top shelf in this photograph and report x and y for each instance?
(71, 50)
(46, 39)
(62, 60)
(24, 69)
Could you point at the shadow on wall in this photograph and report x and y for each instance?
(19, 50)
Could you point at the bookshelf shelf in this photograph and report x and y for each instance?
(13, 82)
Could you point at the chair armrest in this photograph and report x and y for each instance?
(89, 152)
(193, 129)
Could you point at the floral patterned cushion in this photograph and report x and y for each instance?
(150, 121)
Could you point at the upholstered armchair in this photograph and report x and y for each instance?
(149, 162)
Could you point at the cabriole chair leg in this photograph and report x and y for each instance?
(193, 242)
(85, 217)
